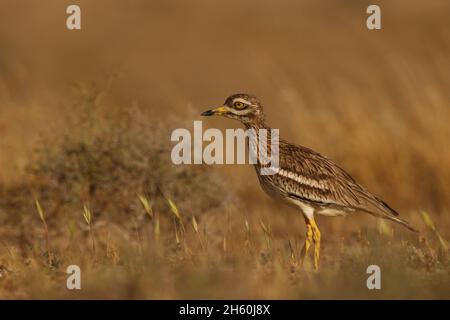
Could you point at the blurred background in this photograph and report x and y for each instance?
(376, 102)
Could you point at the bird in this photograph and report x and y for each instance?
(305, 179)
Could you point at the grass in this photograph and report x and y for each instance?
(47, 240)
(181, 266)
(87, 215)
(85, 171)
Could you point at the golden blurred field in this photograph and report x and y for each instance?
(86, 116)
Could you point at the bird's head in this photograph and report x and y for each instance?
(243, 107)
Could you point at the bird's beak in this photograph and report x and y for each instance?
(217, 111)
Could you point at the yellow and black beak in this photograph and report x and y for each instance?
(215, 112)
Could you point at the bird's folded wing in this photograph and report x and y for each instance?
(313, 177)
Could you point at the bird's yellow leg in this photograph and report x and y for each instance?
(316, 239)
(308, 240)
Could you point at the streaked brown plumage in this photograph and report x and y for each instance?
(306, 179)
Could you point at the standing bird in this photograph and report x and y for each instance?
(306, 179)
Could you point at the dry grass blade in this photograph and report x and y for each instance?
(146, 204)
(264, 227)
(195, 227)
(430, 224)
(47, 237)
(88, 218)
(267, 234)
(174, 209)
(291, 248)
(40, 211)
(427, 219)
(248, 241)
(247, 226)
(177, 238)
(194, 224)
(87, 215)
(157, 229)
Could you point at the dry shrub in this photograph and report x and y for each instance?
(107, 156)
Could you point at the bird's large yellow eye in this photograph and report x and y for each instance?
(239, 105)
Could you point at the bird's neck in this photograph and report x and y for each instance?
(261, 141)
(257, 124)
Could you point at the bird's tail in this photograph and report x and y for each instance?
(400, 221)
(381, 209)
(393, 215)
